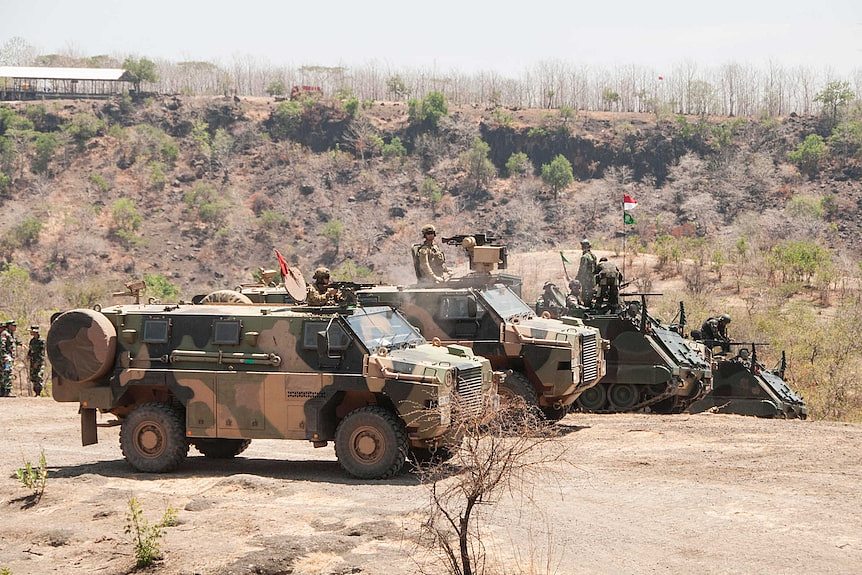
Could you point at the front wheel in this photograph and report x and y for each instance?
(555, 413)
(371, 443)
(153, 439)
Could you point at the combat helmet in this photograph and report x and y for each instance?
(724, 318)
(321, 273)
(585, 243)
(428, 229)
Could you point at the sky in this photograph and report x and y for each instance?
(445, 35)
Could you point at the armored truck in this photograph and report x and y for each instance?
(743, 385)
(649, 364)
(215, 376)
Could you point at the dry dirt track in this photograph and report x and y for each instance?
(644, 494)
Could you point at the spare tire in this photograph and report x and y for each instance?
(81, 345)
(225, 296)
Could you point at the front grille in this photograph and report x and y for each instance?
(470, 389)
(589, 359)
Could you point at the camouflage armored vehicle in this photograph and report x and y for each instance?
(743, 385)
(217, 376)
(551, 363)
(649, 364)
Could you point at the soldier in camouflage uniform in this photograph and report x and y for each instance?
(586, 273)
(609, 278)
(432, 261)
(7, 357)
(36, 357)
(713, 331)
(319, 293)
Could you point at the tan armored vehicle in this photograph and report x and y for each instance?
(216, 376)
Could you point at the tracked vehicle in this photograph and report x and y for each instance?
(649, 365)
(551, 362)
(743, 385)
(217, 376)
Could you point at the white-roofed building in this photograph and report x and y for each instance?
(33, 83)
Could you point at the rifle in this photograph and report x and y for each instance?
(481, 239)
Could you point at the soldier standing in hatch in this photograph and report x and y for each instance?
(586, 273)
(319, 293)
(36, 357)
(609, 278)
(714, 332)
(432, 260)
(7, 357)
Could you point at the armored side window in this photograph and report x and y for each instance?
(338, 338)
(156, 331)
(459, 307)
(226, 332)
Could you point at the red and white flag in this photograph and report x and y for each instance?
(629, 203)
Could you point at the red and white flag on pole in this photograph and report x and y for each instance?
(629, 203)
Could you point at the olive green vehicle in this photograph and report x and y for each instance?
(650, 364)
(551, 362)
(216, 376)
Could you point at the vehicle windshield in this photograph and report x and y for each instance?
(504, 301)
(383, 327)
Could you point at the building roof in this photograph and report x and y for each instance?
(47, 73)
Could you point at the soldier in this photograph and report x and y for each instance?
(432, 261)
(714, 332)
(609, 278)
(587, 272)
(319, 293)
(573, 300)
(36, 357)
(7, 357)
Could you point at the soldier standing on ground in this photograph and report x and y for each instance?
(432, 261)
(319, 293)
(587, 272)
(714, 332)
(36, 357)
(7, 357)
(609, 278)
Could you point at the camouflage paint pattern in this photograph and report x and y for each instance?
(254, 372)
(560, 360)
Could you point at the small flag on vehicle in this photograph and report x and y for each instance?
(565, 260)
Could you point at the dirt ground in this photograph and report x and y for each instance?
(638, 493)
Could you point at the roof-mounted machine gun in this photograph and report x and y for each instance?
(483, 253)
(133, 289)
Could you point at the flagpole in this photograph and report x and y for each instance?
(624, 238)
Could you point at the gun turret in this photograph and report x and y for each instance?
(133, 289)
(484, 256)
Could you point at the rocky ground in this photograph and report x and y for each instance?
(636, 494)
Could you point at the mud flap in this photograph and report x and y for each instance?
(89, 434)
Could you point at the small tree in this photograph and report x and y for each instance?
(276, 88)
(834, 98)
(518, 164)
(428, 112)
(558, 174)
(394, 149)
(475, 161)
(140, 70)
(808, 155)
(145, 537)
(396, 86)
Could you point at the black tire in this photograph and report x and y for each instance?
(153, 438)
(371, 443)
(423, 456)
(221, 448)
(516, 384)
(554, 413)
(623, 396)
(593, 398)
(226, 296)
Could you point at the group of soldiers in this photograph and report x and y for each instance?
(596, 273)
(9, 344)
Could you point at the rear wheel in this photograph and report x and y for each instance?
(623, 396)
(153, 439)
(593, 398)
(221, 448)
(371, 443)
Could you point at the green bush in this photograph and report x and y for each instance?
(475, 161)
(518, 164)
(100, 182)
(27, 232)
(205, 200)
(394, 149)
(333, 230)
(160, 287)
(276, 88)
(45, 145)
(271, 219)
(431, 190)
(285, 120)
(34, 478)
(799, 260)
(125, 221)
(558, 174)
(427, 112)
(5, 182)
(158, 179)
(145, 537)
(808, 155)
(502, 117)
(84, 127)
(351, 105)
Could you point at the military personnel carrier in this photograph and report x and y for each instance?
(215, 376)
(743, 385)
(551, 363)
(650, 365)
